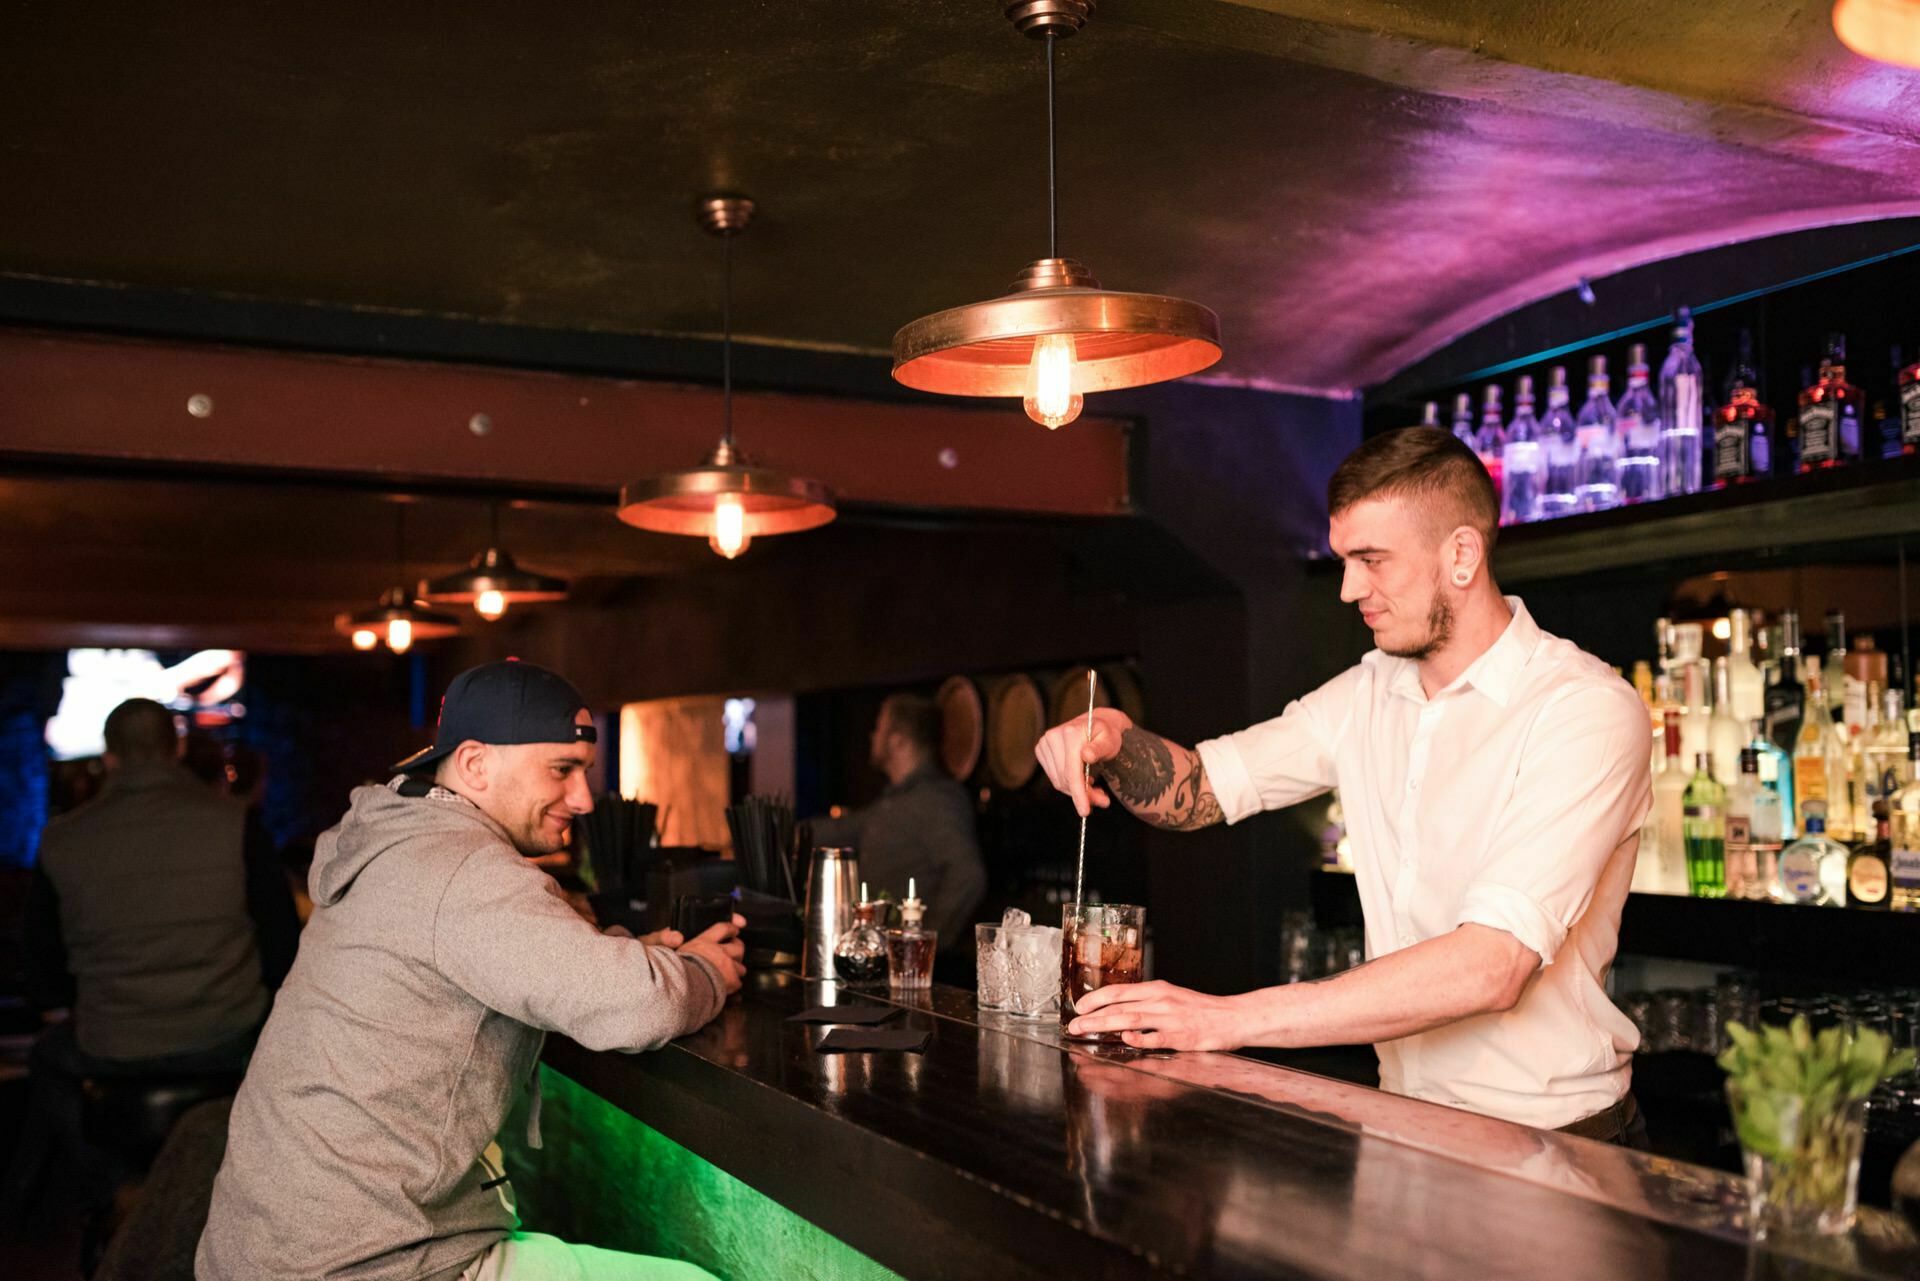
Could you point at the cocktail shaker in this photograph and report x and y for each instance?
(833, 887)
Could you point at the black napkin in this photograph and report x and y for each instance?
(876, 1038)
(860, 1014)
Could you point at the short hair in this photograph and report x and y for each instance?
(1433, 467)
(141, 730)
(916, 716)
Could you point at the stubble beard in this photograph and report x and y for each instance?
(1439, 631)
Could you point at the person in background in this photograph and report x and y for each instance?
(1494, 779)
(921, 826)
(159, 915)
(438, 956)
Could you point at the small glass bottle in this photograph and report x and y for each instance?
(1491, 439)
(1682, 406)
(1642, 472)
(1704, 824)
(1867, 884)
(910, 947)
(1522, 467)
(1562, 445)
(860, 955)
(1813, 869)
(1463, 419)
(1597, 431)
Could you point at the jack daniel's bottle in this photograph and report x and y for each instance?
(1742, 428)
(1831, 410)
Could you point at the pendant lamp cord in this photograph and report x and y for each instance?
(493, 522)
(726, 341)
(400, 541)
(1053, 250)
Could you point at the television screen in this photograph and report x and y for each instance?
(204, 687)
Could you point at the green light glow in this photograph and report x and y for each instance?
(605, 1179)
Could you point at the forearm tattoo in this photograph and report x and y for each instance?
(1160, 782)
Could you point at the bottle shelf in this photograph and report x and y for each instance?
(1831, 944)
(1791, 518)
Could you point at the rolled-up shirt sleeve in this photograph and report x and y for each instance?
(1583, 790)
(1282, 761)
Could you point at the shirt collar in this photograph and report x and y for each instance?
(1495, 673)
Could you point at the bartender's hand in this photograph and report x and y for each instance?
(1160, 1016)
(1063, 749)
(720, 946)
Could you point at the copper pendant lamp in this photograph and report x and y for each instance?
(726, 499)
(398, 619)
(493, 581)
(1056, 335)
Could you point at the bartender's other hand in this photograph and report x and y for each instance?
(720, 946)
(1064, 749)
(1160, 1016)
(659, 938)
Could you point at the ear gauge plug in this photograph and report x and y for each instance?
(1462, 580)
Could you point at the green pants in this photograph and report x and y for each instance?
(534, 1256)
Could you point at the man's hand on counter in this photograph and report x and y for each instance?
(720, 946)
(1160, 1016)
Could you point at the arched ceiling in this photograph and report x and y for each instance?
(1349, 183)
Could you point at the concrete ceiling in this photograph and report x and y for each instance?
(1349, 183)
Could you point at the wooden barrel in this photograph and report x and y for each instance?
(1016, 717)
(962, 726)
(1067, 696)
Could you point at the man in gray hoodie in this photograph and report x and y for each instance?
(437, 959)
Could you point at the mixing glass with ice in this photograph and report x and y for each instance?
(1101, 943)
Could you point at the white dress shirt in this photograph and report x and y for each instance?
(1513, 798)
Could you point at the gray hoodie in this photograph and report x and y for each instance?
(436, 960)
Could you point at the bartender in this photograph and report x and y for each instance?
(1494, 779)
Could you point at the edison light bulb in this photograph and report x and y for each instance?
(1051, 400)
(490, 604)
(730, 536)
(365, 638)
(399, 635)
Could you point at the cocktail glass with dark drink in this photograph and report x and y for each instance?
(1100, 944)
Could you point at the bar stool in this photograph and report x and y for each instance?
(128, 1119)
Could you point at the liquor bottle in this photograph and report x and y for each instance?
(1430, 415)
(1867, 885)
(1490, 441)
(1776, 773)
(1682, 406)
(1744, 681)
(1813, 869)
(1663, 702)
(1819, 762)
(1742, 428)
(1834, 674)
(1669, 804)
(1463, 419)
(1558, 433)
(1522, 464)
(1704, 823)
(1743, 868)
(1830, 413)
(1642, 472)
(1883, 433)
(1903, 814)
(1696, 711)
(1785, 697)
(1866, 674)
(1862, 792)
(1663, 644)
(1907, 390)
(1768, 832)
(1726, 733)
(910, 946)
(1885, 766)
(1597, 431)
(860, 954)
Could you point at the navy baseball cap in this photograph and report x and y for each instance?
(503, 703)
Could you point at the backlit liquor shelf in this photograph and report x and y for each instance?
(1825, 945)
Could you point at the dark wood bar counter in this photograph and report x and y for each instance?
(1001, 1151)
